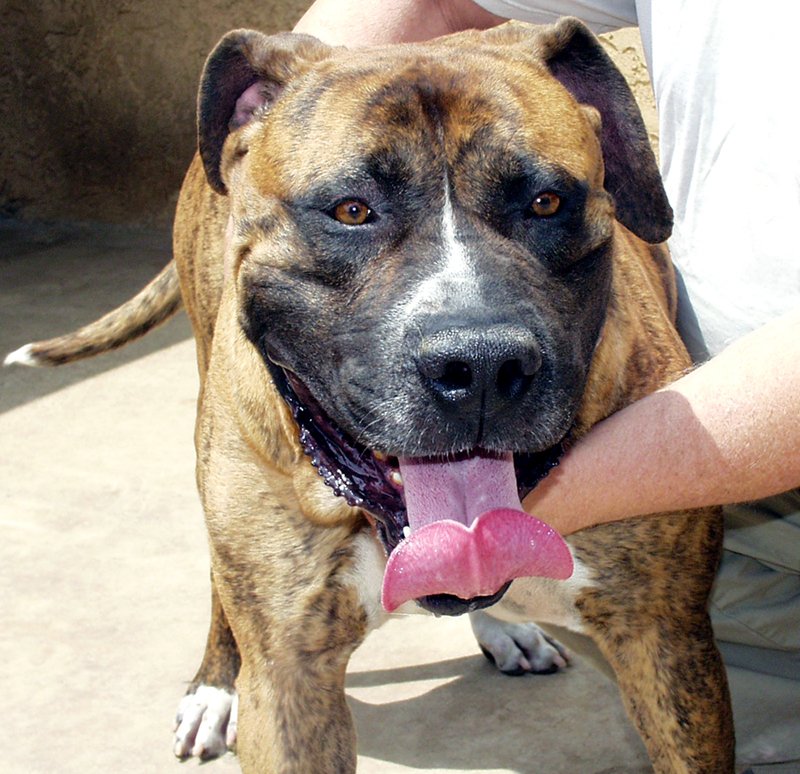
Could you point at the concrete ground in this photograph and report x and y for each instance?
(104, 581)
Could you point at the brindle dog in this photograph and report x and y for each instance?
(415, 274)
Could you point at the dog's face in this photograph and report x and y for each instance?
(429, 262)
(421, 236)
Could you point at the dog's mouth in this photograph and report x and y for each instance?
(452, 527)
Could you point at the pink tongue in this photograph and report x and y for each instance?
(469, 535)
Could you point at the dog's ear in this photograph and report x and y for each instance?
(242, 77)
(576, 58)
(578, 61)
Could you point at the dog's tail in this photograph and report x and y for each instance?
(151, 307)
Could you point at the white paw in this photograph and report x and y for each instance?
(205, 725)
(517, 648)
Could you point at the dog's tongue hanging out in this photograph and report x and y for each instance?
(468, 533)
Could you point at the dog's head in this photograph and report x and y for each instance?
(422, 241)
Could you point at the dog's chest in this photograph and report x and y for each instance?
(545, 600)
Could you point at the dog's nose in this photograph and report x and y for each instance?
(479, 368)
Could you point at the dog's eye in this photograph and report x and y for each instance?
(352, 213)
(546, 204)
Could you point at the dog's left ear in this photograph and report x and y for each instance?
(576, 58)
(243, 76)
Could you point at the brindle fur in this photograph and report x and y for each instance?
(287, 612)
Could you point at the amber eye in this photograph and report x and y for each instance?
(352, 213)
(546, 204)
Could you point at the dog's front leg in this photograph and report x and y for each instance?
(296, 633)
(286, 583)
(294, 717)
(673, 686)
(650, 621)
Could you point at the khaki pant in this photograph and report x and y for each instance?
(755, 609)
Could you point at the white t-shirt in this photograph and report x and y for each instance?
(726, 86)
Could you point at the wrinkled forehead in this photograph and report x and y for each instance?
(425, 106)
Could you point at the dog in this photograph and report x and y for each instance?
(416, 274)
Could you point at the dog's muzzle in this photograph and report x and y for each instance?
(423, 555)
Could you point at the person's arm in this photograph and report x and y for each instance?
(355, 23)
(727, 432)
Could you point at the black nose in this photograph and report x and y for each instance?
(470, 368)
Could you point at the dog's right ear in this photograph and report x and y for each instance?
(242, 77)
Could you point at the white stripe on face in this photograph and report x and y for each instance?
(455, 277)
(457, 263)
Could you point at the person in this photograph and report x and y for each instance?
(728, 432)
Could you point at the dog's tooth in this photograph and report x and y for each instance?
(406, 531)
(396, 478)
(380, 456)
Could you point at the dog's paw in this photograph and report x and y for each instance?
(516, 649)
(205, 726)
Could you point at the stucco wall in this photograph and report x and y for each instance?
(98, 99)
